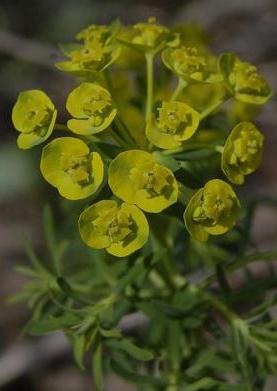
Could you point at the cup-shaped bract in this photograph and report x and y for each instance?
(148, 37)
(88, 58)
(120, 229)
(242, 153)
(92, 109)
(176, 122)
(136, 178)
(97, 51)
(243, 80)
(34, 116)
(102, 33)
(67, 164)
(191, 64)
(212, 210)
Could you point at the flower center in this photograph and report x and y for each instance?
(173, 119)
(246, 77)
(212, 208)
(155, 182)
(115, 224)
(188, 59)
(96, 104)
(36, 119)
(78, 168)
(92, 52)
(246, 147)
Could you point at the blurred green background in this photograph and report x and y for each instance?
(29, 35)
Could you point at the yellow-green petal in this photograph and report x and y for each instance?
(196, 230)
(243, 80)
(146, 37)
(212, 210)
(191, 64)
(34, 116)
(136, 178)
(92, 109)
(120, 229)
(242, 153)
(68, 165)
(176, 122)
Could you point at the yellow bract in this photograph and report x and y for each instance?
(68, 165)
(211, 210)
(136, 178)
(120, 229)
(243, 80)
(191, 64)
(34, 116)
(97, 51)
(175, 123)
(242, 152)
(147, 37)
(91, 105)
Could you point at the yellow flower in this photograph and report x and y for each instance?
(34, 116)
(92, 107)
(97, 51)
(68, 165)
(191, 64)
(120, 229)
(176, 122)
(243, 80)
(212, 210)
(101, 33)
(146, 37)
(242, 152)
(136, 178)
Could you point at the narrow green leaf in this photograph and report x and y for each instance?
(97, 366)
(50, 324)
(79, 349)
(206, 383)
(135, 377)
(131, 349)
(112, 333)
(26, 271)
(37, 264)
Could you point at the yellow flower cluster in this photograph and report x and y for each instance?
(133, 149)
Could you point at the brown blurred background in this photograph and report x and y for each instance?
(29, 33)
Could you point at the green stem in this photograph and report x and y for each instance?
(120, 124)
(240, 263)
(214, 107)
(229, 315)
(60, 127)
(149, 74)
(124, 131)
(179, 88)
(185, 193)
(118, 139)
(191, 147)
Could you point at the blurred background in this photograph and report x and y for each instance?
(29, 34)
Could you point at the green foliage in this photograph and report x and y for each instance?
(131, 297)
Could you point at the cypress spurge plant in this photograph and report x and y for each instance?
(145, 171)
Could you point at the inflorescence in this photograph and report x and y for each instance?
(151, 135)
